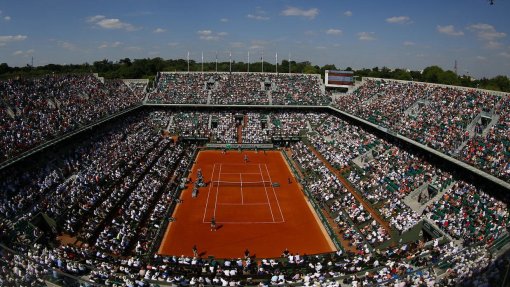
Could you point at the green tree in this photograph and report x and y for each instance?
(432, 74)
(401, 74)
(448, 78)
(501, 82)
(309, 69)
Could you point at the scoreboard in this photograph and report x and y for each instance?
(340, 79)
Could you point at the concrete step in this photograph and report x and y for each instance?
(170, 122)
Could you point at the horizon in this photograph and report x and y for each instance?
(397, 34)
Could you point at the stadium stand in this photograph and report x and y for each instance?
(452, 120)
(36, 110)
(115, 191)
(239, 88)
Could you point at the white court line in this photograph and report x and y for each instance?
(241, 180)
(242, 164)
(248, 222)
(255, 203)
(274, 192)
(265, 189)
(217, 191)
(208, 192)
(241, 172)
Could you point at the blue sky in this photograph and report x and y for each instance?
(397, 34)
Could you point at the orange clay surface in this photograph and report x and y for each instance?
(261, 218)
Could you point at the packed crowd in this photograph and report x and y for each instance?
(349, 214)
(239, 88)
(340, 142)
(298, 89)
(222, 127)
(491, 150)
(389, 173)
(463, 211)
(256, 128)
(113, 191)
(444, 118)
(33, 111)
(414, 263)
(180, 88)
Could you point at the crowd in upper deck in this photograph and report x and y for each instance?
(239, 88)
(33, 111)
(468, 124)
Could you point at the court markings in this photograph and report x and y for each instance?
(216, 203)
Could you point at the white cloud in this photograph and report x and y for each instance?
(348, 13)
(110, 23)
(224, 20)
(23, 53)
(110, 45)
(67, 45)
(505, 54)
(294, 11)
(6, 18)
(159, 30)
(204, 32)
(94, 19)
(173, 44)
(8, 39)
(366, 36)
(12, 38)
(449, 30)
(257, 17)
(334, 31)
(409, 43)
(481, 58)
(209, 35)
(399, 20)
(320, 47)
(493, 45)
(486, 32)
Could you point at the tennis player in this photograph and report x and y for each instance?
(213, 224)
(245, 158)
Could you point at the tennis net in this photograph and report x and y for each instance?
(241, 183)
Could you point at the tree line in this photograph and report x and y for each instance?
(147, 69)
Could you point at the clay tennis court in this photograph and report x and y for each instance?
(249, 211)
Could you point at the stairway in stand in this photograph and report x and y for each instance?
(239, 134)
